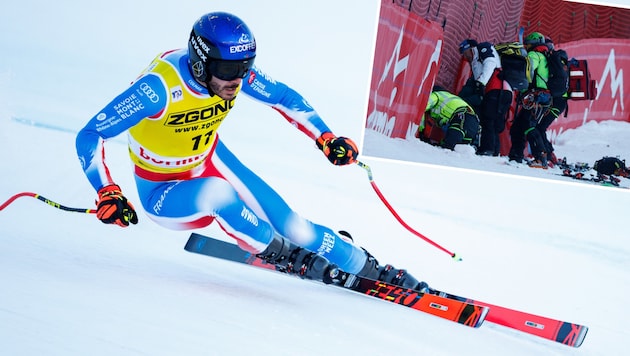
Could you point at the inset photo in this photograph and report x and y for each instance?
(502, 87)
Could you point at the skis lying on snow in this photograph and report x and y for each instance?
(584, 173)
(459, 311)
(436, 302)
(595, 178)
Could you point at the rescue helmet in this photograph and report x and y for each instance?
(534, 38)
(466, 45)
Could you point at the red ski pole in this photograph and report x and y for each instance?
(400, 220)
(47, 201)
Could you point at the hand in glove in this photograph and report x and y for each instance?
(479, 88)
(339, 150)
(114, 208)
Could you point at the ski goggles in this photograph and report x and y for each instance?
(229, 70)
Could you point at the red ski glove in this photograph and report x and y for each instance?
(114, 208)
(339, 150)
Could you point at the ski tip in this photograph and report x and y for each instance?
(581, 336)
(572, 334)
(456, 257)
(195, 243)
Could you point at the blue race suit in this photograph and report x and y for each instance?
(186, 177)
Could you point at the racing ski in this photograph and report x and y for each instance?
(459, 311)
(563, 332)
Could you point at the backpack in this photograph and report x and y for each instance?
(581, 86)
(611, 165)
(558, 65)
(515, 66)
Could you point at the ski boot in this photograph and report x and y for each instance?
(389, 274)
(293, 259)
(540, 162)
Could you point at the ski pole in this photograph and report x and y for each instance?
(47, 201)
(400, 220)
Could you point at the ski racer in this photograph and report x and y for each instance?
(186, 176)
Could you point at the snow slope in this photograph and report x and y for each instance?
(586, 144)
(74, 286)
